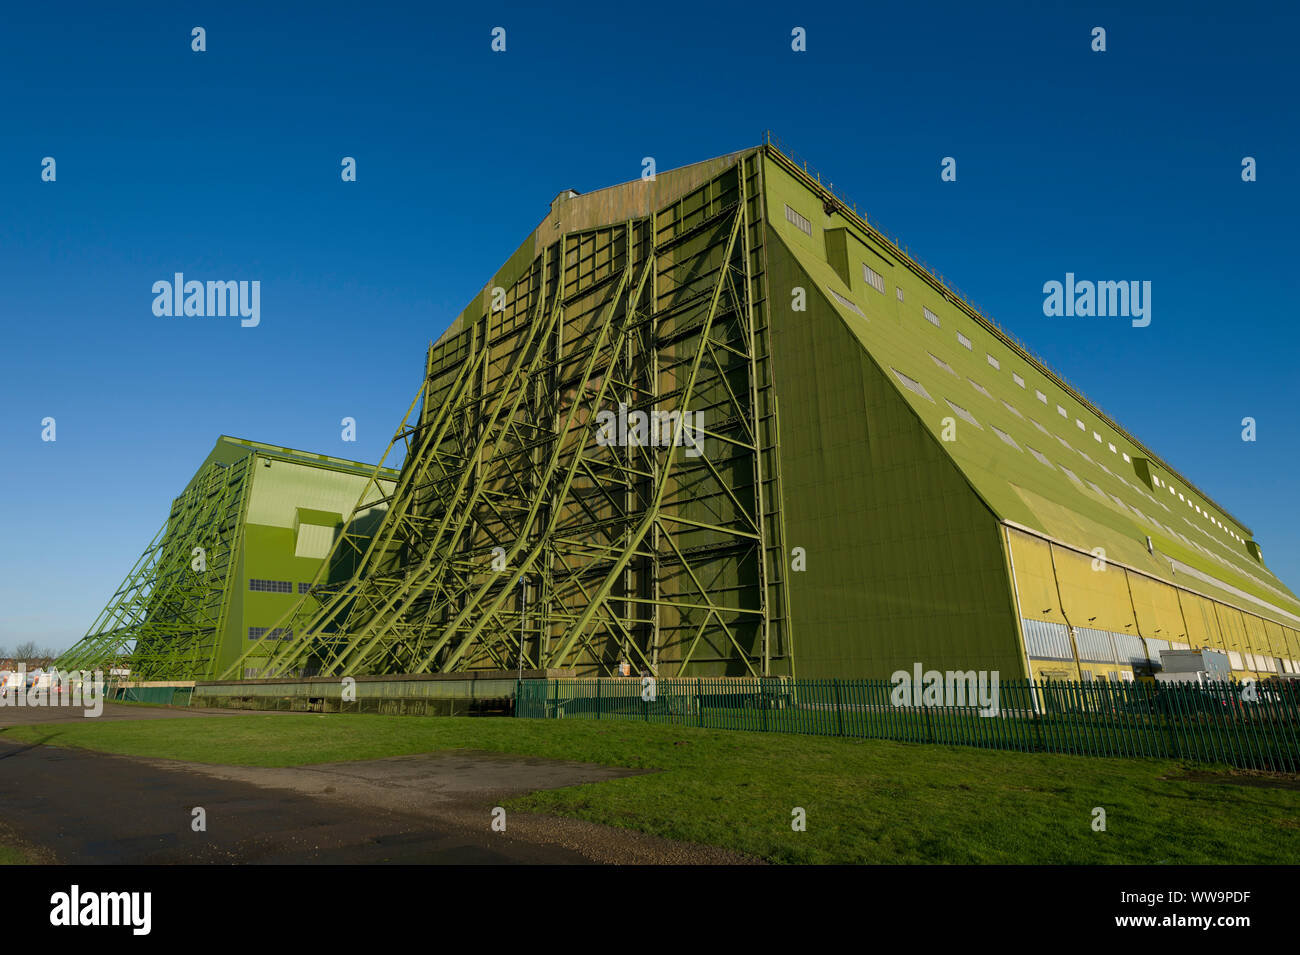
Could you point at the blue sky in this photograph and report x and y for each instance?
(225, 164)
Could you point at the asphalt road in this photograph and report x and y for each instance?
(82, 807)
(91, 808)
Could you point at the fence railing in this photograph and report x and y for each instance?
(170, 695)
(1249, 726)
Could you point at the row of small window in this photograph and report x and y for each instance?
(1051, 641)
(1155, 478)
(877, 281)
(267, 633)
(1060, 409)
(961, 412)
(261, 585)
(916, 387)
(994, 362)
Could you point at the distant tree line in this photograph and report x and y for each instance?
(29, 654)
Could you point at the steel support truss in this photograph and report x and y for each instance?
(639, 551)
(167, 619)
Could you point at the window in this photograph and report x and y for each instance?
(1013, 409)
(270, 586)
(802, 224)
(912, 385)
(900, 293)
(873, 278)
(1113, 449)
(1094, 645)
(980, 388)
(304, 588)
(930, 317)
(941, 363)
(1017, 379)
(994, 362)
(846, 303)
(1044, 640)
(1040, 396)
(1039, 426)
(1080, 425)
(965, 342)
(1129, 649)
(963, 414)
(1096, 437)
(1073, 477)
(1062, 412)
(264, 633)
(1005, 437)
(1127, 459)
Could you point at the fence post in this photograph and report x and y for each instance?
(555, 707)
(1034, 715)
(1171, 742)
(839, 711)
(597, 697)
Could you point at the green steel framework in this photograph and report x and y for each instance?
(169, 613)
(638, 555)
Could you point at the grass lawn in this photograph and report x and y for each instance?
(11, 856)
(15, 850)
(866, 801)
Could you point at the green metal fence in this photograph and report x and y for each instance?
(171, 695)
(1249, 727)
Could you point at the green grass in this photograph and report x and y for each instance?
(866, 801)
(11, 856)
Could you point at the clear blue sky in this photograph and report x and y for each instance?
(225, 164)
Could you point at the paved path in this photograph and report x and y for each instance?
(33, 715)
(92, 808)
(89, 808)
